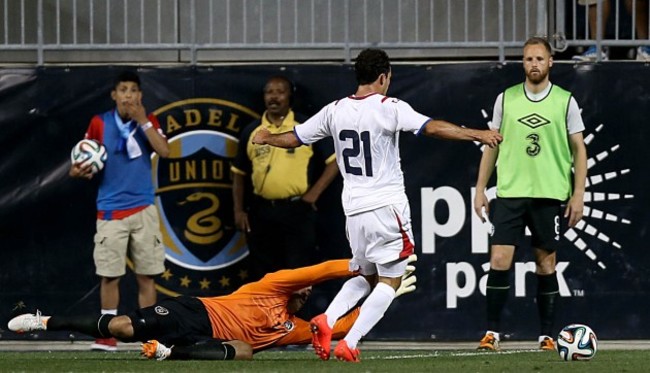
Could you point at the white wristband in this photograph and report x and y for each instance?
(146, 126)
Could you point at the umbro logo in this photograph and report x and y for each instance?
(533, 120)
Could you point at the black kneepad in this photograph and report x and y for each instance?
(215, 349)
(212, 349)
(230, 351)
(144, 327)
(102, 325)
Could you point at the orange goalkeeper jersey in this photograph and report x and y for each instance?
(257, 312)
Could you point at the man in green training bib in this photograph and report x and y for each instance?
(542, 139)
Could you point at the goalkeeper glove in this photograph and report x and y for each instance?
(408, 278)
(410, 264)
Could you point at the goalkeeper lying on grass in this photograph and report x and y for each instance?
(257, 316)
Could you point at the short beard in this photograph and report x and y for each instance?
(536, 80)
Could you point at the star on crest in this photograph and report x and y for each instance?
(185, 281)
(205, 284)
(224, 281)
(167, 274)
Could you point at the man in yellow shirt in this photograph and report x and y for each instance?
(279, 217)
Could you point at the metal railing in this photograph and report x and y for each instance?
(246, 30)
(626, 25)
(196, 31)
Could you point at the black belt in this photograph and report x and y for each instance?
(277, 202)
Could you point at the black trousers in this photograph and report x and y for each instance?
(283, 235)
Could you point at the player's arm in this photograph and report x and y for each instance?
(575, 205)
(240, 169)
(312, 130)
(158, 141)
(410, 120)
(344, 324)
(281, 140)
(241, 216)
(488, 163)
(293, 279)
(485, 170)
(149, 125)
(449, 131)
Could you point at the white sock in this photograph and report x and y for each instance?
(372, 310)
(351, 292)
(109, 312)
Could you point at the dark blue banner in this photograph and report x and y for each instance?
(47, 219)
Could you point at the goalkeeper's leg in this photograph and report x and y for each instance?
(94, 325)
(213, 350)
(121, 327)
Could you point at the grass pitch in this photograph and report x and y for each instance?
(305, 361)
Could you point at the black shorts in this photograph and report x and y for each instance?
(510, 216)
(173, 321)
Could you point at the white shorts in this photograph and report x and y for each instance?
(380, 236)
(393, 269)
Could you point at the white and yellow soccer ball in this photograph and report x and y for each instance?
(577, 342)
(89, 152)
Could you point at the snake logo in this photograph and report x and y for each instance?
(203, 227)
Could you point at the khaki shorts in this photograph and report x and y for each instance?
(589, 2)
(137, 236)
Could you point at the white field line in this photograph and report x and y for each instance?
(437, 353)
(395, 357)
(506, 352)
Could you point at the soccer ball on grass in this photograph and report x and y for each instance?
(577, 342)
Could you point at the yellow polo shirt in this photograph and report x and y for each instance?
(277, 173)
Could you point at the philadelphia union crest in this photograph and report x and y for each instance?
(194, 197)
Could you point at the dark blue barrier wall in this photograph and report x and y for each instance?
(47, 219)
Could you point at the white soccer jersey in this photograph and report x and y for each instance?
(366, 139)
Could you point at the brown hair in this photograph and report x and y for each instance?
(536, 40)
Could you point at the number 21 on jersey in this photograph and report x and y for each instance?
(360, 147)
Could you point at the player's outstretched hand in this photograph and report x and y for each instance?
(410, 264)
(408, 285)
(409, 280)
(490, 138)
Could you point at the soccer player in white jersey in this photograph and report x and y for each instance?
(365, 127)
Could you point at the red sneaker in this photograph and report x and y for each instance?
(321, 336)
(345, 353)
(104, 344)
